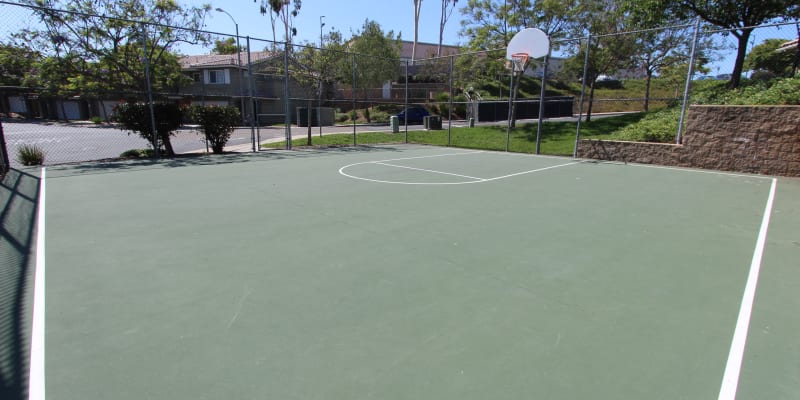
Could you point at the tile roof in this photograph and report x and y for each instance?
(790, 45)
(426, 50)
(222, 60)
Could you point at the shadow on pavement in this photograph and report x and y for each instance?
(200, 159)
(19, 194)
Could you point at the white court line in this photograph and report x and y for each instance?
(730, 379)
(36, 377)
(473, 179)
(685, 169)
(531, 171)
(429, 170)
(461, 153)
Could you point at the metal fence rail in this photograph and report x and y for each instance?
(294, 91)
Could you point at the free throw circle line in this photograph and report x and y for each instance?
(431, 170)
(471, 181)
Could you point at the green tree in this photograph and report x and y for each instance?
(135, 117)
(102, 48)
(447, 10)
(376, 58)
(226, 46)
(286, 10)
(766, 57)
(490, 24)
(740, 17)
(323, 68)
(318, 70)
(17, 64)
(610, 50)
(663, 40)
(417, 10)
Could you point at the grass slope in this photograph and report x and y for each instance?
(557, 138)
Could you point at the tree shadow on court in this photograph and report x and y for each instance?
(191, 160)
(19, 194)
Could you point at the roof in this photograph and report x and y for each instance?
(426, 50)
(222, 60)
(790, 45)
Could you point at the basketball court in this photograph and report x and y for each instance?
(414, 272)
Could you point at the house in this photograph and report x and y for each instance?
(425, 50)
(789, 46)
(220, 79)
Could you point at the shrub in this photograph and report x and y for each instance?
(442, 100)
(341, 117)
(30, 154)
(135, 117)
(380, 117)
(137, 153)
(96, 120)
(657, 126)
(778, 91)
(763, 76)
(217, 123)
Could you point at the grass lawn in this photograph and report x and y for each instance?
(558, 138)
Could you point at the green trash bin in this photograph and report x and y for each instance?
(394, 121)
(435, 122)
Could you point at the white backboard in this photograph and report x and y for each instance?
(529, 40)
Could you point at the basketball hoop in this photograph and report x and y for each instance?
(519, 61)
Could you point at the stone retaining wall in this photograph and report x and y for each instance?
(752, 139)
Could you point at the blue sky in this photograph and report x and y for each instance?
(345, 16)
(397, 15)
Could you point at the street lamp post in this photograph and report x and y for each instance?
(319, 104)
(239, 63)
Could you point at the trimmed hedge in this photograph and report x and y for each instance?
(217, 124)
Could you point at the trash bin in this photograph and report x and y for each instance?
(426, 121)
(434, 122)
(472, 122)
(394, 121)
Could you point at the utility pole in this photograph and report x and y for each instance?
(239, 63)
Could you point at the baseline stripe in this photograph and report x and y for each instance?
(36, 377)
(730, 379)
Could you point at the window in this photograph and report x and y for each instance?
(217, 77)
(196, 76)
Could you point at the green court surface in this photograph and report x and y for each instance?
(412, 272)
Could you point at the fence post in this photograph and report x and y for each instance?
(241, 75)
(149, 91)
(405, 104)
(541, 103)
(287, 107)
(354, 114)
(510, 105)
(583, 93)
(450, 111)
(254, 115)
(689, 75)
(319, 103)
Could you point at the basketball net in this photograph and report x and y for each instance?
(519, 61)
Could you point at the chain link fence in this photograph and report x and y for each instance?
(334, 95)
